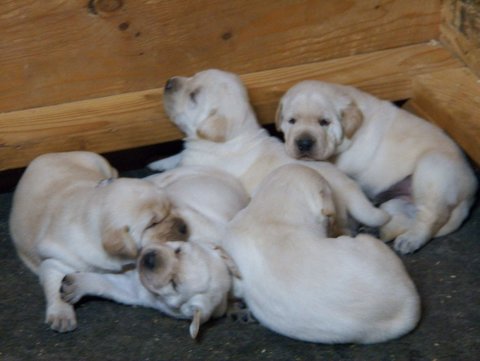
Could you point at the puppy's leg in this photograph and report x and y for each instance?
(60, 315)
(166, 163)
(435, 193)
(350, 196)
(123, 287)
(238, 311)
(402, 213)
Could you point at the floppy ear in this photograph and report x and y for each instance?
(119, 243)
(352, 119)
(214, 128)
(278, 115)
(195, 325)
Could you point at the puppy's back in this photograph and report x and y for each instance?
(306, 286)
(40, 191)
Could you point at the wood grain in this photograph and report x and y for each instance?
(137, 119)
(59, 51)
(460, 31)
(451, 99)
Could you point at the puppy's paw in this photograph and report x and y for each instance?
(238, 311)
(61, 317)
(407, 243)
(70, 290)
(158, 166)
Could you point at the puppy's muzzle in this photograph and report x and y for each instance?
(150, 260)
(155, 266)
(171, 85)
(305, 144)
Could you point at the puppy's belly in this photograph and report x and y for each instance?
(401, 189)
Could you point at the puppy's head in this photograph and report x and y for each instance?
(306, 198)
(191, 279)
(135, 213)
(212, 105)
(317, 119)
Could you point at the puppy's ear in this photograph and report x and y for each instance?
(195, 325)
(119, 243)
(214, 128)
(352, 119)
(278, 115)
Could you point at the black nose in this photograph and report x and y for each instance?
(305, 144)
(170, 84)
(149, 260)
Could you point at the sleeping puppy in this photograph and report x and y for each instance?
(314, 288)
(399, 159)
(186, 280)
(213, 110)
(182, 279)
(71, 213)
(206, 198)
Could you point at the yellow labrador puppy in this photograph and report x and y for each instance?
(182, 279)
(71, 213)
(408, 164)
(314, 288)
(205, 197)
(213, 110)
(185, 280)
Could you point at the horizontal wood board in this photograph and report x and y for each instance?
(60, 51)
(136, 119)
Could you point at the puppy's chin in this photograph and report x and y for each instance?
(313, 155)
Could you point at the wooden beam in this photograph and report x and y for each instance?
(137, 118)
(59, 51)
(451, 99)
(460, 30)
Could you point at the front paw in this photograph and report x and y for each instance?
(158, 165)
(70, 290)
(61, 317)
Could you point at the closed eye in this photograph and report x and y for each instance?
(324, 122)
(174, 284)
(151, 225)
(193, 95)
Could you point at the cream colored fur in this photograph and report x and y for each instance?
(71, 213)
(380, 145)
(182, 279)
(213, 110)
(302, 284)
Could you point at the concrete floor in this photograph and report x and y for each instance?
(446, 272)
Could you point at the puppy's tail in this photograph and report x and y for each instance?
(365, 212)
(349, 198)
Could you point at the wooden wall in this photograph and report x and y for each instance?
(88, 74)
(460, 30)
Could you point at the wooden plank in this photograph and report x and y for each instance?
(387, 74)
(451, 99)
(460, 30)
(59, 51)
(137, 119)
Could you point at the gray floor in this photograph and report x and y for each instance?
(446, 271)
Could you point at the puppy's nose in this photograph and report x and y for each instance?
(171, 85)
(305, 144)
(149, 260)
